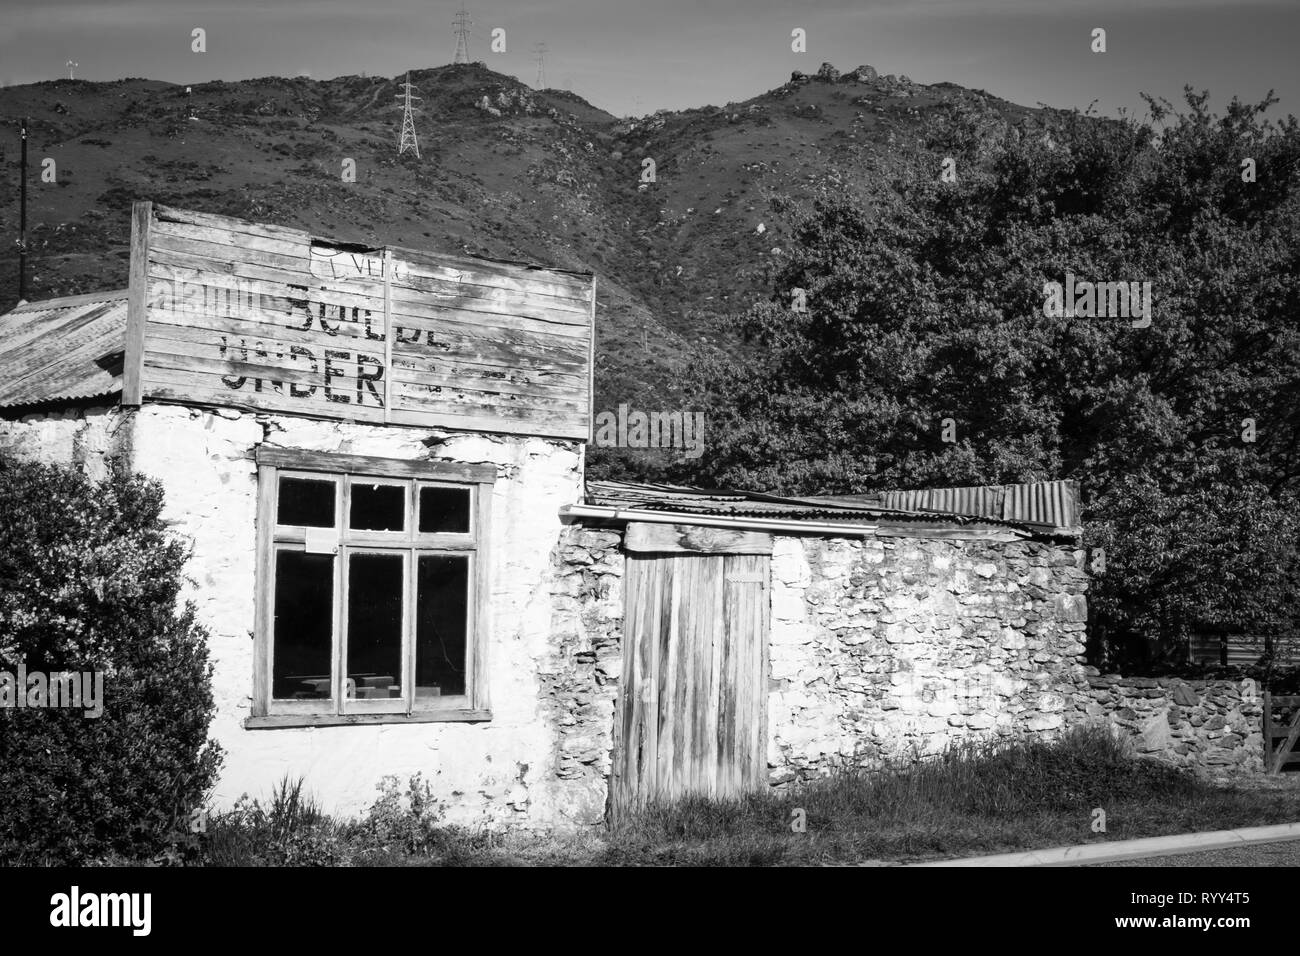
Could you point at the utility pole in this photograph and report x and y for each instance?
(409, 140)
(22, 218)
(463, 23)
(539, 53)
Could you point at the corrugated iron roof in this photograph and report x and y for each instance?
(1054, 503)
(65, 349)
(852, 509)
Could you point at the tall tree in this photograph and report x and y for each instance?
(926, 356)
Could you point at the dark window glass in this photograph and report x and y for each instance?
(444, 510)
(307, 502)
(441, 616)
(378, 507)
(304, 602)
(374, 653)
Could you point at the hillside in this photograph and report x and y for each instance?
(505, 171)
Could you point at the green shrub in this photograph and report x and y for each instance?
(89, 581)
(291, 831)
(403, 821)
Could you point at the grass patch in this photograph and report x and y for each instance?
(977, 797)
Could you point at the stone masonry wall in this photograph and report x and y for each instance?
(1213, 727)
(580, 671)
(890, 647)
(90, 438)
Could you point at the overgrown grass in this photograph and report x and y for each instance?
(977, 797)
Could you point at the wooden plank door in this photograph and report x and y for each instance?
(692, 708)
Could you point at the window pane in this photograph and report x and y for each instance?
(442, 613)
(306, 501)
(378, 507)
(444, 510)
(304, 625)
(374, 654)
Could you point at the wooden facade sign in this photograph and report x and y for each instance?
(230, 313)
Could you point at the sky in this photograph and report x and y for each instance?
(637, 56)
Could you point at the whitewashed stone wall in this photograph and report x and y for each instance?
(502, 772)
(581, 671)
(90, 438)
(891, 647)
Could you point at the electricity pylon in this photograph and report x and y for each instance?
(539, 52)
(409, 139)
(463, 24)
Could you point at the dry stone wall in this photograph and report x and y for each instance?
(1213, 727)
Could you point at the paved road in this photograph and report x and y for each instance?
(1259, 854)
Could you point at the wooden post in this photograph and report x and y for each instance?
(137, 305)
(22, 216)
(388, 335)
(591, 370)
(1268, 731)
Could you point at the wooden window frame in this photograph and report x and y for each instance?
(343, 470)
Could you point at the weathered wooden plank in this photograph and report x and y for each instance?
(710, 662)
(741, 625)
(191, 386)
(493, 354)
(763, 630)
(263, 597)
(254, 722)
(421, 397)
(653, 537)
(299, 459)
(1284, 749)
(297, 257)
(728, 769)
(245, 227)
(137, 304)
(178, 277)
(524, 316)
(488, 272)
(1268, 730)
(669, 679)
(536, 382)
(467, 271)
(330, 383)
(653, 702)
(591, 361)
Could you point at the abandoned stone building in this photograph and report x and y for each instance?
(378, 456)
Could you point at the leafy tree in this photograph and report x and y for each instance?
(928, 304)
(89, 581)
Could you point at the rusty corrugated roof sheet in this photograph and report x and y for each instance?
(746, 504)
(67, 349)
(1054, 503)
